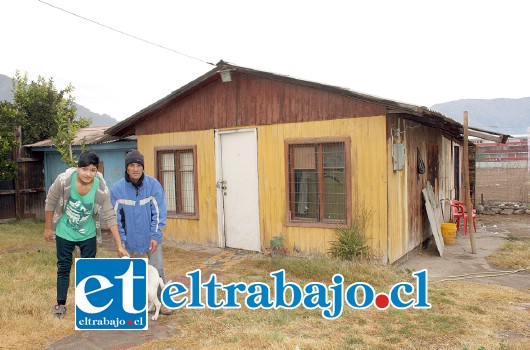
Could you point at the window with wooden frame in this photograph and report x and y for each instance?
(318, 181)
(177, 173)
(101, 168)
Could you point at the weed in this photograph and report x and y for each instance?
(476, 309)
(351, 341)
(277, 242)
(351, 243)
(277, 248)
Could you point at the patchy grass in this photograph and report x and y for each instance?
(463, 314)
(28, 287)
(512, 255)
(323, 269)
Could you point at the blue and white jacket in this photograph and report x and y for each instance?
(140, 211)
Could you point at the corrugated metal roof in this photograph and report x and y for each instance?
(94, 135)
(422, 115)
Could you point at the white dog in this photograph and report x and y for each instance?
(153, 282)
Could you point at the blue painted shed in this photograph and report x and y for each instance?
(111, 152)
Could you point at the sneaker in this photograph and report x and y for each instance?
(59, 311)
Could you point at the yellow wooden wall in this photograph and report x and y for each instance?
(204, 230)
(368, 181)
(398, 195)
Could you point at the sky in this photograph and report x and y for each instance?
(413, 51)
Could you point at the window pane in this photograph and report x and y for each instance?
(186, 161)
(187, 182)
(334, 195)
(333, 155)
(304, 157)
(334, 198)
(306, 194)
(167, 162)
(168, 180)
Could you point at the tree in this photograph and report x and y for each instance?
(8, 122)
(67, 127)
(46, 113)
(36, 103)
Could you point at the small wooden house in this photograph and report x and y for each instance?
(111, 152)
(245, 155)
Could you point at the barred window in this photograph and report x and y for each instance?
(318, 182)
(177, 172)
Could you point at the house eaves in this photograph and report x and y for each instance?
(88, 136)
(422, 115)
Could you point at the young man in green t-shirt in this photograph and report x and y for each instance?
(73, 205)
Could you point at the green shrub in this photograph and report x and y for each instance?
(351, 243)
(277, 242)
(277, 248)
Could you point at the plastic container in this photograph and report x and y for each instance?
(449, 232)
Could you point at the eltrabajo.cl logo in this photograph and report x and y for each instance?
(111, 294)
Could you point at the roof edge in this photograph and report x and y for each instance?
(124, 128)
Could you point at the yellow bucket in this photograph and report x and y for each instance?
(449, 232)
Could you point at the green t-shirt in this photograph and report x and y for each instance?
(77, 222)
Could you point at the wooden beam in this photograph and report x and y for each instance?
(16, 155)
(485, 136)
(467, 193)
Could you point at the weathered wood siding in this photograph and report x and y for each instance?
(398, 198)
(250, 100)
(446, 178)
(204, 229)
(282, 110)
(368, 180)
(29, 202)
(407, 218)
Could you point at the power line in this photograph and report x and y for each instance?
(127, 34)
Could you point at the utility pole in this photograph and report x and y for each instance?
(467, 188)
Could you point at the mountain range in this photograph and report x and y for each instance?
(6, 94)
(503, 115)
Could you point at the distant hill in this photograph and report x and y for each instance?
(97, 119)
(6, 93)
(504, 115)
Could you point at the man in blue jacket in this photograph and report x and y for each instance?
(140, 208)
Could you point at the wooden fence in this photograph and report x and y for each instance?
(24, 197)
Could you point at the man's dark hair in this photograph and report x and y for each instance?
(87, 158)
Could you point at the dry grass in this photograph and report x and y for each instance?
(512, 255)
(464, 314)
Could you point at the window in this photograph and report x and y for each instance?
(177, 172)
(101, 168)
(318, 181)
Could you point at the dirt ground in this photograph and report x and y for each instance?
(457, 259)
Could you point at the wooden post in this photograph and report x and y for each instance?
(16, 156)
(467, 193)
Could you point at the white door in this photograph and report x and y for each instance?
(237, 189)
